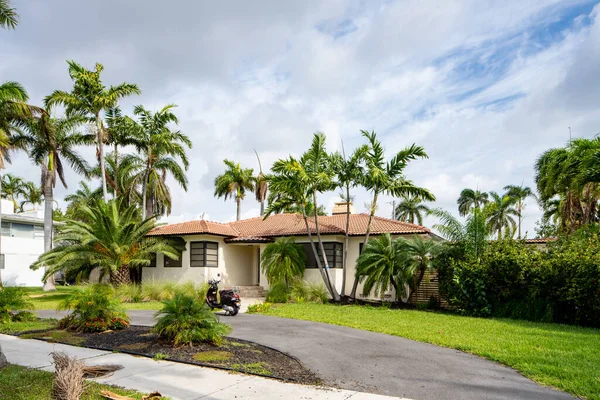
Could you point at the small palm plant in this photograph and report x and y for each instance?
(187, 320)
(283, 261)
(12, 299)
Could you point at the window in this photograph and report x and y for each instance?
(2, 257)
(171, 263)
(204, 254)
(333, 251)
(38, 231)
(15, 229)
(152, 261)
(6, 229)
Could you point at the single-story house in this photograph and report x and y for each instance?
(234, 249)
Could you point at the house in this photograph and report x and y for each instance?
(22, 242)
(233, 249)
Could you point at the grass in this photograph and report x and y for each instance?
(17, 327)
(160, 356)
(566, 357)
(212, 356)
(58, 336)
(253, 368)
(20, 383)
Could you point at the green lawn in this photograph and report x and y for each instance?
(565, 357)
(16, 327)
(20, 383)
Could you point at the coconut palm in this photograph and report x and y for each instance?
(500, 212)
(382, 264)
(12, 189)
(383, 177)
(469, 199)
(111, 237)
(233, 183)
(519, 194)
(50, 142)
(420, 253)
(261, 187)
(8, 16)
(410, 209)
(89, 98)
(283, 261)
(32, 194)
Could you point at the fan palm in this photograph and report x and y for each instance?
(383, 177)
(411, 209)
(500, 212)
(32, 194)
(519, 194)
(49, 141)
(283, 261)
(8, 16)
(469, 199)
(89, 98)
(12, 189)
(233, 183)
(261, 187)
(111, 237)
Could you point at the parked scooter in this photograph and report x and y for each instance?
(230, 301)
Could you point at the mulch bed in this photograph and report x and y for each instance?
(234, 354)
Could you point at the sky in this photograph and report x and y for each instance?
(484, 86)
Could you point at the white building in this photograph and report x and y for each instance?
(21, 245)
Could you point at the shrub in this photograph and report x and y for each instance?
(302, 291)
(278, 293)
(283, 261)
(258, 308)
(317, 293)
(12, 299)
(129, 293)
(95, 309)
(187, 320)
(166, 290)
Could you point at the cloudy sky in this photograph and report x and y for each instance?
(484, 86)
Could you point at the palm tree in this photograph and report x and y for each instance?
(411, 209)
(32, 194)
(500, 212)
(8, 16)
(383, 177)
(384, 263)
(283, 261)
(90, 98)
(120, 133)
(50, 142)
(519, 194)
(83, 196)
(12, 189)
(233, 183)
(261, 187)
(420, 253)
(472, 236)
(470, 198)
(111, 238)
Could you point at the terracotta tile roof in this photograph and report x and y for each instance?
(540, 240)
(259, 229)
(248, 239)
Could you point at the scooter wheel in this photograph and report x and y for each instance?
(234, 312)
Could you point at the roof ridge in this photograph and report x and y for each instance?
(401, 222)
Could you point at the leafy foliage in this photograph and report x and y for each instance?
(471, 199)
(278, 293)
(411, 209)
(187, 320)
(259, 308)
(283, 261)
(234, 182)
(12, 298)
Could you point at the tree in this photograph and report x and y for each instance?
(384, 263)
(383, 177)
(111, 238)
(519, 194)
(471, 237)
(32, 194)
(283, 261)
(469, 199)
(411, 209)
(420, 253)
(49, 141)
(12, 189)
(83, 196)
(8, 16)
(233, 183)
(500, 212)
(261, 187)
(120, 133)
(89, 98)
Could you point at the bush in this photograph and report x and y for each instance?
(166, 290)
(258, 308)
(95, 309)
(12, 299)
(278, 293)
(129, 293)
(187, 320)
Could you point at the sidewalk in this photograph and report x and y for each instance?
(178, 381)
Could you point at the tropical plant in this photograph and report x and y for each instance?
(94, 308)
(32, 194)
(500, 212)
(410, 209)
(187, 320)
(111, 238)
(120, 133)
(8, 15)
(382, 264)
(261, 187)
(233, 183)
(83, 196)
(89, 98)
(278, 293)
(470, 237)
(383, 177)
(304, 291)
(283, 261)
(469, 199)
(519, 194)
(12, 189)
(48, 142)
(421, 253)
(13, 298)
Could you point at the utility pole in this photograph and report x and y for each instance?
(569, 135)
(393, 203)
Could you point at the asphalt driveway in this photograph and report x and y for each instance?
(378, 363)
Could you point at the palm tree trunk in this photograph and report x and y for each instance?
(346, 239)
(262, 206)
(393, 283)
(239, 208)
(121, 276)
(116, 169)
(373, 208)
(335, 295)
(1, 254)
(145, 185)
(48, 203)
(100, 139)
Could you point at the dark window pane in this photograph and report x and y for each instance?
(170, 263)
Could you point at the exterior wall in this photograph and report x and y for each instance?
(19, 254)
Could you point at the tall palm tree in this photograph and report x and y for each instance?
(83, 196)
(283, 261)
(500, 212)
(233, 183)
(383, 177)
(469, 199)
(410, 209)
(160, 152)
(50, 142)
(384, 263)
(261, 187)
(472, 235)
(89, 98)
(111, 238)
(519, 194)
(32, 194)
(12, 189)
(8, 16)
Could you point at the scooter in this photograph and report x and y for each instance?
(230, 301)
